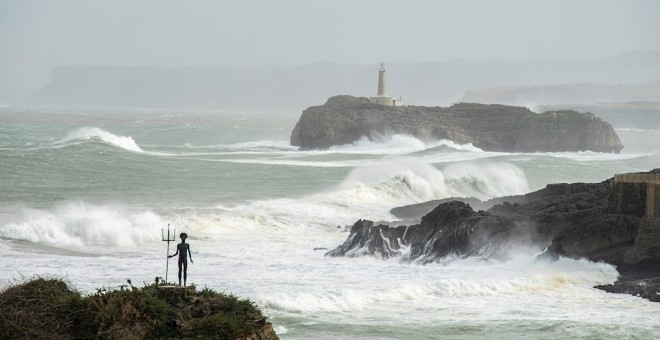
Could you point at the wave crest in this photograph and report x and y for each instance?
(398, 144)
(525, 277)
(80, 224)
(485, 180)
(94, 133)
(408, 179)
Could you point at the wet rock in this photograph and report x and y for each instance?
(642, 279)
(597, 221)
(365, 238)
(451, 228)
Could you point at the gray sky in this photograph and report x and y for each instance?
(36, 35)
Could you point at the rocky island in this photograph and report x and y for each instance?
(616, 221)
(345, 119)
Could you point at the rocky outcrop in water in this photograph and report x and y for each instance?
(450, 228)
(346, 119)
(605, 221)
(453, 227)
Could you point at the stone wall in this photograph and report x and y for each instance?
(636, 194)
(627, 198)
(639, 194)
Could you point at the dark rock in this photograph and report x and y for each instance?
(346, 119)
(597, 221)
(641, 280)
(560, 216)
(451, 228)
(381, 241)
(605, 238)
(454, 228)
(416, 211)
(547, 201)
(627, 198)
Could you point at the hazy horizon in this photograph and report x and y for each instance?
(37, 36)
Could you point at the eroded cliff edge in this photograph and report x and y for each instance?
(346, 119)
(611, 221)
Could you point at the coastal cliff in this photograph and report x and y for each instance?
(346, 119)
(607, 221)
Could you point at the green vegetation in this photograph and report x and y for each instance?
(48, 308)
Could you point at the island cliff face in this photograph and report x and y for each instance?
(615, 221)
(346, 119)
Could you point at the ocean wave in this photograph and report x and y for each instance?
(260, 146)
(591, 156)
(402, 177)
(291, 162)
(81, 224)
(411, 179)
(485, 180)
(508, 280)
(398, 144)
(96, 134)
(366, 192)
(636, 130)
(402, 145)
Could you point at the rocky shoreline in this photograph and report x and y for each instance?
(346, 119)
(607, 222)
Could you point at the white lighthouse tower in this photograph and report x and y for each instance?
(381, 98)
(381, 80)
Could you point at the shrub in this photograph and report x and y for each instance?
(49, 308)
(37, 309)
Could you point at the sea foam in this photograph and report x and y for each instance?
(408, 178)
(485, 180)
(397, 144)
(366, 192)
(462, 282)
(83, 224)
(93, 133)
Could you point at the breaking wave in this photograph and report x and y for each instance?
(534, 279)
(81, 224)
(410, 179)
(366, 192)
(96, 134)
(398, 144)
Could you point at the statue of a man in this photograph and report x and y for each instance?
(183, 249)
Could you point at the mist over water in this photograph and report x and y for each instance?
(135, 115)
(86, 195)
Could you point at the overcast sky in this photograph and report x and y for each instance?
(36, 35)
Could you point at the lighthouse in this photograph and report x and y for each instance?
(381, 98)
(381, 80)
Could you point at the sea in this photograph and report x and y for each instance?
(88, 195)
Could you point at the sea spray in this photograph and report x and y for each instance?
(80, 224)
(485, 179)
(93, 133)
(458, 281)
(398, 144)
(420, 181)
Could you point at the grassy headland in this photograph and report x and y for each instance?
(49, 308)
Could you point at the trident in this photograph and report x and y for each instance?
(168, 240)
